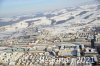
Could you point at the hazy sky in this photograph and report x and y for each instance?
(19, 7)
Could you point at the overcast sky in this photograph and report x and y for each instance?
(19, 7)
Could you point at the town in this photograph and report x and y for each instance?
(65, 37)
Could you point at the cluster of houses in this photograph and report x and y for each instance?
(34, 35)
(47, 55)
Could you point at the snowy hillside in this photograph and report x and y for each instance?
(59, 21)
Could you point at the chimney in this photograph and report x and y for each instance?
(92, 43)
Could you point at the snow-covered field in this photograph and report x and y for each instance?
(58, 21)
